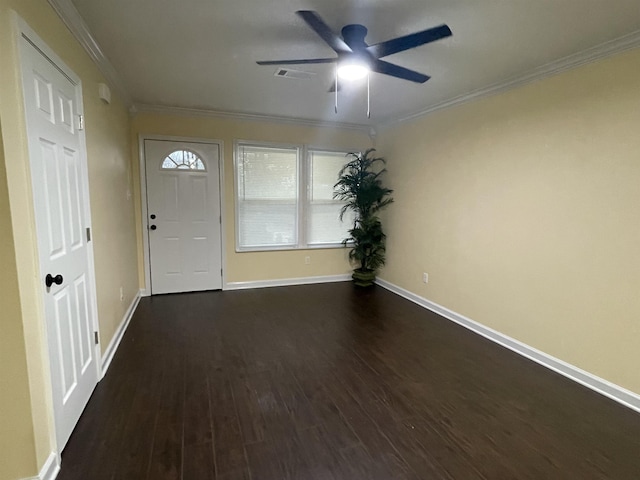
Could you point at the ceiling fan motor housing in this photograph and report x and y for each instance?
(354, 35)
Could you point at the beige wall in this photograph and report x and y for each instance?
(249, 266)
(112, 210)
(107, 135)
(17, 452)
(524, 210)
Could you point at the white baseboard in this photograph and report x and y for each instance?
(595, 383)
(117, 337)
(284, 282)
(49, 470)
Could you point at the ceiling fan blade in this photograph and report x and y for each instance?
(297, 62)
(407, 42)
(397, 71)
(322, 29)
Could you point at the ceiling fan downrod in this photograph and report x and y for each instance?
(368, 93)
(336, 89)
(368, 96)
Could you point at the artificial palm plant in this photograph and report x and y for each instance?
(360, 187)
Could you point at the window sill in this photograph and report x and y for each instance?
(287, 248)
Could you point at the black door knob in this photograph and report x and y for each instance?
(153, 217)
(153, 227)
(49, 280)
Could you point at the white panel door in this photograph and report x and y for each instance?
(58, 171)
(183, 208)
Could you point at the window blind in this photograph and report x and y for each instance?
(267, 199)
(322, 218)
(284, 197)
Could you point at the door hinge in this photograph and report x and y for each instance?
(88, 234)
(95, 338)
(80, 122)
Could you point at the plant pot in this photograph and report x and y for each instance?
(363, 278)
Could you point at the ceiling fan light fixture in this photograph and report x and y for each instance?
(353, 70)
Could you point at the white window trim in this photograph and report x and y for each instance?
(178, 169)
(302, 203)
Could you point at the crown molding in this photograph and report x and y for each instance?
(79, 29)
(593, 54)
(253, 117)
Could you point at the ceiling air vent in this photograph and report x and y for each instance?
(297, 74)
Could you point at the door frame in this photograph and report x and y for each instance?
(28, 42)
(144, 206)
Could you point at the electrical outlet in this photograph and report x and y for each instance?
(121, 294)
(307, 260)
(425, 278)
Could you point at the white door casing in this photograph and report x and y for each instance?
(185, 242)
(58, 164)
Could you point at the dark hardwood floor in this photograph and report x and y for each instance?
(331, 382)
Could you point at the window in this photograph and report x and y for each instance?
(182, 160)
(284, 197)
(323, 212)
(267, 200)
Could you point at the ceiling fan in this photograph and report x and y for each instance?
(356, 58)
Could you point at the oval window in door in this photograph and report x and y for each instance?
(183, 160)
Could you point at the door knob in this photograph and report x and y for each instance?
(153, 227)
(49, 280)
(153, 217)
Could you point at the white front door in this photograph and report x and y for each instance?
(183, 208)
(59, 179)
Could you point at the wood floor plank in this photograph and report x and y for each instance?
(166, 457)
(321, 457)
(197, 413)
(375, 441)
(227, 438)
(198, 462)
(263, 464)
(241, 474)
(324, 408)
(293, 399)
(359, 465)
(328, 382)
(99, 432)
(252, 423)
(137, 439)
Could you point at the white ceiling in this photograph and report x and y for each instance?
(201, 53)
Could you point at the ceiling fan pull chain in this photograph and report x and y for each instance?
(336, 107)
(368, 97)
